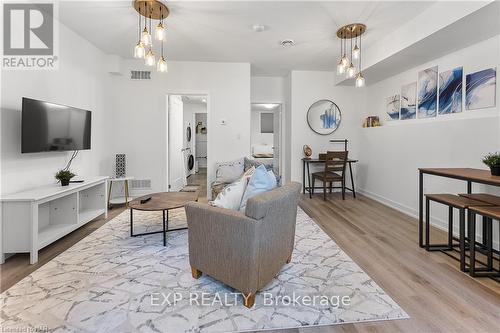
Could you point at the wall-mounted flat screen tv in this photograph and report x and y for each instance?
(53, 127)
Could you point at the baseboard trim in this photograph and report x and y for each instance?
(436, 222)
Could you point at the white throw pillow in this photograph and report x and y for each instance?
(230, 197)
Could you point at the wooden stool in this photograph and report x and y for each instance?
(489, 214)
(452, 201)
(488, 198)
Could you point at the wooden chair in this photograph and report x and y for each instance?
(335, 165)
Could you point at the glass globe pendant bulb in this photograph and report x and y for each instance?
(345, 61)
(146, 37)
(161, 66)
(360, 81)
(356, 52)
(150, 58)
(351, 70)
(340, 68)
(160, 32)
(139, 50)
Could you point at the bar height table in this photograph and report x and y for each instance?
(469, 175)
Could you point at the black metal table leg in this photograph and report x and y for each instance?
(420, 209)
(131, 222)
(485, 232)
(164, 230)
(427, 224)
(472, 244)
(309, 180)
(462, 239)
(489, 244)
(303, 176)
(450, 227)
(352, 180)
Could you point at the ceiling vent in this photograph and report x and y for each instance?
(287, 42)
(140, 75)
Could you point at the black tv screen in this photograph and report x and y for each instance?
(53, 127)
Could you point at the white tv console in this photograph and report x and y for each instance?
(36, 218)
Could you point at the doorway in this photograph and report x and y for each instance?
(187, 139)
(265, 134)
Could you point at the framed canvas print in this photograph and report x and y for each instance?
(450, 91)
(427, 92)
(408, 101)
(392, 107)
(324, 117)
(480, 89)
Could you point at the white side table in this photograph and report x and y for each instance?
(119, 200)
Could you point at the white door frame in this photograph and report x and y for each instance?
(166, 178)
(282, 126)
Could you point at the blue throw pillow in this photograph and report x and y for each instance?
(261, 181)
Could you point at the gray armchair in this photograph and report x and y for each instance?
(245, 251)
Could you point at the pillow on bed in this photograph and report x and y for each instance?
(263, 150)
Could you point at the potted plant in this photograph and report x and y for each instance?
(493, 161)
(64, 176)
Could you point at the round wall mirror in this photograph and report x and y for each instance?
(323, 117)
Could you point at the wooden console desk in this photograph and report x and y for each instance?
(305, 166)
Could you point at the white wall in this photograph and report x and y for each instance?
(392, 154)
(267, 89)
(308, 87)
(81, 81)
(140, 116)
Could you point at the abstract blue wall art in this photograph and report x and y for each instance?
(392, 107)
(328, 118)
(427, 92)
(450, 91)
(408, 105)
(324, 117)
(480, 89)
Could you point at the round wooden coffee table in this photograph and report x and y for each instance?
(162, 201)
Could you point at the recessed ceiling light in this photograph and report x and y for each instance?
(259, 27)
(287, 42)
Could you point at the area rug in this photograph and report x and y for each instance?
(110, 282)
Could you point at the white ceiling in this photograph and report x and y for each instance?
(221, 31)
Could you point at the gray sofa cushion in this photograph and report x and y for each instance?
(228, 172)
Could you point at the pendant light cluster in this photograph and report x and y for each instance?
(350, 56)
(151, 10)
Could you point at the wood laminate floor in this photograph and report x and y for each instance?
(428, 286)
